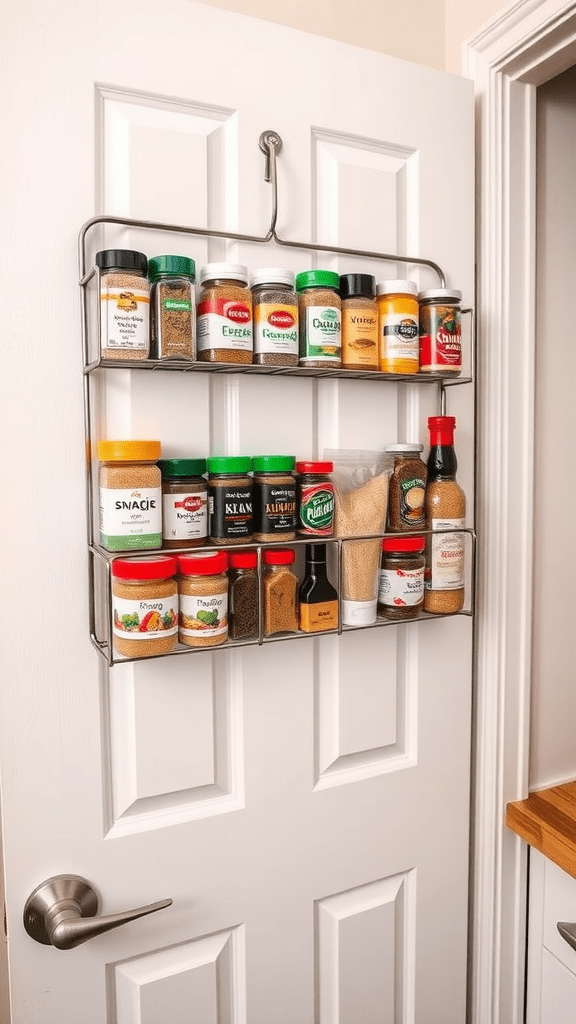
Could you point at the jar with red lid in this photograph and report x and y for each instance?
(279, 591)
(401, 585)
(203, 589)
(243, 594)
(315, 499)
(145, 605)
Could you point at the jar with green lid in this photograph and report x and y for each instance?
(275, 317)
(320, 309)
(184, 503)
(274, 493)
(230, 499)
(401, 585)
(172, 307)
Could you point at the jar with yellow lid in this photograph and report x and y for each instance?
(398, 326)
(130, 495)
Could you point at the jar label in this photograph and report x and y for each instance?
(446, 556)
(318, 616)
(440, 339)
(360, 338)
(230, 511)
(407, 493)
(322, 339)
(177, 305)
(203, 616)
(276, 329)
(274, 507)
(317, 509)
(224, 323)
(185, 516)
(401, 587)
(400, 343)
(147, 618)
(124, 320)
(130, 519)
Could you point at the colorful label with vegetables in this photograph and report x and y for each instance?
(130, 519)
(124, 320)
(203, 616)
(224, 323)
(185, 516)
(446, 556)
(401, 587)
(146, 619)
(275, 329)
(317, 509)
(323, 339)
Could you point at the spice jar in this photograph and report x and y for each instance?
(224, 329)
(274, 498)
(145, 605)
(184, 503)
(275, 317)
(279, 592)
(445, 511)
(124, 304)
(319, 306)
(407, 488)
(401, 585)
(398, 326)
(440, 331)
(203, 588)
(172, 307)
(243, 594)
(359, 322)
(230, 499)
(130, 495)
(315, 499)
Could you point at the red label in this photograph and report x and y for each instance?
(442, 350)
(236, 312)
(190, 504)
(281, 318)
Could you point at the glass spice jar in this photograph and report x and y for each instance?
(184, 503)
(359, 322)
(243, 594)
(401, 584)
(407, 488)
(445, 512)
(172, 307)
(224, 327)
(274, 498)
(275, 317)
(320, 309)
(398, 326)
(440, 332)
(130, 495)
(145, 605)
(279, 592)
(124, 304)
(203, 589)
(315, 499)
(230, 499)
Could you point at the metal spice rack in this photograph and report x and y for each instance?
(100, 560)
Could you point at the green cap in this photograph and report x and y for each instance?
(273, 463)
(317, 279)
(173, 266)
(182, 467)
(229, 464)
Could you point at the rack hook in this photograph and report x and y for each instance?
(270, 143)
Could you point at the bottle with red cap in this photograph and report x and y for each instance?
(445, 515)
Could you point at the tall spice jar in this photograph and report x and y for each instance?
(359, 322)
(130, 495)
(230, 499)
(407, 488)
(184, 503)
(445, 511)
(224, 326)
(124, 304)
(398, 326)
(320, 310)
(172, 307)
(440, 331)
(279, 592)
(243, 594)
(275, 310)
(203, 589)
(274, 498)
(315, 499)
(144, 605)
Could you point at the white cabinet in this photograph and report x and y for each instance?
(551, 988)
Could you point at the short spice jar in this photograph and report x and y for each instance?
(275, 317)
(320, 309)
(440, 331)
(279, 592)
(172, 307)
(445, 512)
(184, 503)
(224, 325)
(145, 605)
(401, 583)
(407, 488)
(359, 322)
(130, 495)
(243, 594)
(274, 498)
(315, 499)
(398, 326)
(124, 304)
(203, 589)
(230, 499)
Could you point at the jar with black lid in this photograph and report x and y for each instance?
(184, 503)
(230, 499)
(401, 585)
(359, 322)
(124, 304)
(275, 317)
(274, 493)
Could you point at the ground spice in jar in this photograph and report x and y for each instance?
(124, 304)
(279, 592)
(319, 307)
(275, 317)
(398, 326)
(243, 594)
(361, 511)
(145, 605)
(440, 332)
(274, 498)
(315, 498)
(401, 586)
(407, 488)
(224, 328)
(203, 589)
(230, 499)
(184, 503)
(172, 307)
(445, 510)
(130, 495)
(359, 322)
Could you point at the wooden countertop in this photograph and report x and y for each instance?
(547, 821)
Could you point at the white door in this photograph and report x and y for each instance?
(304, 804)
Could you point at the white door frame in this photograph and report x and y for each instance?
(529, 43)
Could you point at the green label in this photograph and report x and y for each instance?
(135, 543)
(177, 305)
(317, 508)
(323, 333)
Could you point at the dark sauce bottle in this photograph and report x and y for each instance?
(318, 598)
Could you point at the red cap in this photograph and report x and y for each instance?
(243, 559)
(155, 567)
(441, 429)
(314, 467)
(279, 556)
(403, 544)
(203, 565)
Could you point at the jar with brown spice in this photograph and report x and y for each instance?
(172, 307)
(320, 309)
(275, 317)
(184, 503)
(144, 605)
(359, 322)
(315, 497)
(440, 332)
(243, 594)
(230, 499)
(445, 511)
(274, 498)
(224, 328)
(407, 488)
(130, 495)
(401, 584)
(279, 592)
(203, 589)
(124, 304)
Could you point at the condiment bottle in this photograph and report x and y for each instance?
(398, 326)
(243, 594)
(440, 331)
(315, 496)
(407, 488)
(203, 588)
(401, 586)
(230, 499)
(224, 327)
(359, 322)
(184, 503)
(124, 304)
(320, 307)
(130, 495)
(172, 307)
(275, 317)
(318, 598)
(445, 510)
(279, 592)
(144, 605)
(274, 498)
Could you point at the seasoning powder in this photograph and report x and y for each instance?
(359, 322)
(274, 498)
(361, 511)
(445, 511)
(184, 503)
(124, 304)
(203, 588)
(172, 307)
(243, 594)
(320, 318)
(145, 605)
(398, 326)
(280, 592)
(230, 499)
(130, 495)
(275, 317)
(224, 329)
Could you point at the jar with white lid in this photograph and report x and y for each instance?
(224, 323)
(398, 326)
(275, 317)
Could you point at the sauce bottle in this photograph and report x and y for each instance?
(445, 504)
(318, 598)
